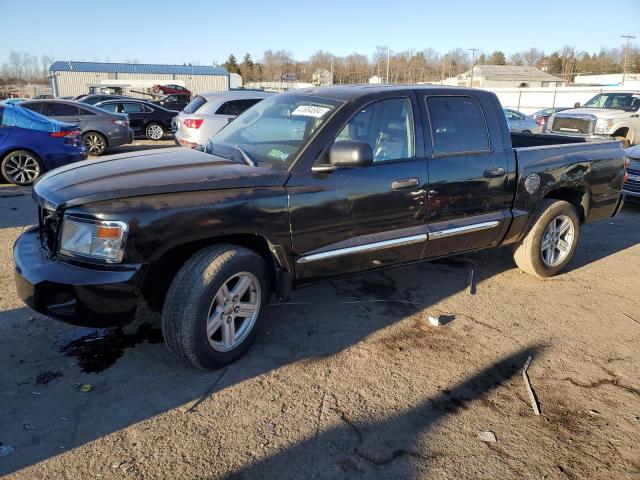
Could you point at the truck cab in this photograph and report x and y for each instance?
(613, 114)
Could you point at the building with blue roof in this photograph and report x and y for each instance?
(136, 79)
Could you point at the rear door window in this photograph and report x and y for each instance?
(457, 125)
(195, 104)
(60, 110)
(34, 107)
(130, 107)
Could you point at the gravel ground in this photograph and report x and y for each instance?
(349, 380)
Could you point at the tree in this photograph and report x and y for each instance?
(232, 64)
(498, 58)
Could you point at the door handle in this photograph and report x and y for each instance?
(405, 183)
(494, 172)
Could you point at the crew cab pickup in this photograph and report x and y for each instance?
(613, 114)
(302, 187)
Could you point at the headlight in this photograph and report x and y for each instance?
(103, 240)
(603, 125)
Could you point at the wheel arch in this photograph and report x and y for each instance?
(93, 130)
(163, 269)
(576, 195)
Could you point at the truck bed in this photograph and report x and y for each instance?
(524, 140)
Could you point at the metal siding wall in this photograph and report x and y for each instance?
(75, 83)
(205, 83)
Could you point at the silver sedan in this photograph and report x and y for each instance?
(519, 122)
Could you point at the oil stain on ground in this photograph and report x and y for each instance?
(97, 349)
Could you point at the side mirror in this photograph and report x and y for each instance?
(576, 105)
(347, 153)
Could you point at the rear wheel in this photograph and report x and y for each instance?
(154, 131)
(95, 142)
(21, 167)
(212, 310)
(552, 241)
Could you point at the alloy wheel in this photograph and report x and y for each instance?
(94, 143)
(155, 132)
(233, 312)
(21, 168)
(557, 240)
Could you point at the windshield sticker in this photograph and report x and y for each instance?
(310, 111)
(280, 155)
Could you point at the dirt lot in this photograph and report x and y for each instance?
(348, 381)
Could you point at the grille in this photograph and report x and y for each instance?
(48, 230)
(633, 185)
(572, 125)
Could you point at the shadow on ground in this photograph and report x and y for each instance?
(140, 379)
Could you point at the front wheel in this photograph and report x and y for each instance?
(211, 314)
(154, 131)
(552, 241)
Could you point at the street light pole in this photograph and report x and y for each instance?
(388, 54)
(473, 62)
(626, 56)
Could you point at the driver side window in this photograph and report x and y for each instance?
(387, 126)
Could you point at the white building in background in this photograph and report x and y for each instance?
(631, 80)
(504, 76)
(376, 79)
(235, 81)
(73, 78)
(322, 78)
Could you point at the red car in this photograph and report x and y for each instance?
(169, 89)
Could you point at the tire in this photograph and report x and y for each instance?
(95, 142)
(193, 303)
(529, 254)
(21, 167)
(154, 131)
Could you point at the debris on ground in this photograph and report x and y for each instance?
(5, 450)
(532, 396)
(28, 426)
(630, 317)
(435, 321)
(86, 387)
(471, 283)
(35, 394)
(487, 436)
(47, 376)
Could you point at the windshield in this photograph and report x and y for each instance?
(615, 101)
(274, 131)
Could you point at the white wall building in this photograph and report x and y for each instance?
(505, 76)
(73, 78)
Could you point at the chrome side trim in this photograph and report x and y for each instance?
(450, 232)
(368, 247)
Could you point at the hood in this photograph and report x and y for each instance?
(147, 173)
(595, 112)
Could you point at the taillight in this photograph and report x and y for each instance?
(627, 162)
(193, 122)
(541, 120)
(66, 133)
(122, 123)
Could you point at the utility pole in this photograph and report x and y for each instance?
(473, 62)
(388, 55)
(626, 55)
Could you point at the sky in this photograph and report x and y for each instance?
(163, 31)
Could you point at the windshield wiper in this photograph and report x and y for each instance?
(245, 156)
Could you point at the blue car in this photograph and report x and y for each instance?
(31, 144)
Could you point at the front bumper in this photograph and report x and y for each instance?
(94, 296)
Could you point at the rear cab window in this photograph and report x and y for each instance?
(458, 125)
(194, 105)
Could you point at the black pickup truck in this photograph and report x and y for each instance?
(304, 186)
